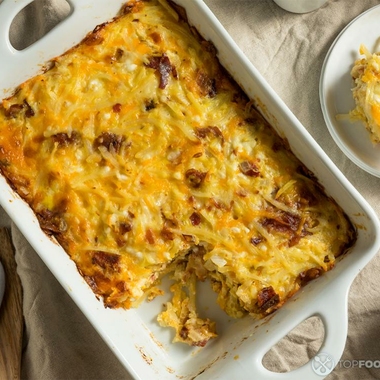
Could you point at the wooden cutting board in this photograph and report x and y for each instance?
(11, 315)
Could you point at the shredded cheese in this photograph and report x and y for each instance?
(142, 157)
(366, 92)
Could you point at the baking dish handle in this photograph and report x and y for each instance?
(332, 309)
(8, 11)
(10, 8)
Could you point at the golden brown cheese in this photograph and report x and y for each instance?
(366, 92)
(141, 156)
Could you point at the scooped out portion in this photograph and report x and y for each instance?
(366, 92)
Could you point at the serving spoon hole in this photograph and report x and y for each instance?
(46, 14)
(308, 335)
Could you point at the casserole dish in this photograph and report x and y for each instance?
(161, 357)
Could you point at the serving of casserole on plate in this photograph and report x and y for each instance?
(339, 91)
(148, 165)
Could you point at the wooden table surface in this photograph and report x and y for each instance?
(11, 315)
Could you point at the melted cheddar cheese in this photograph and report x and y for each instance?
(142, 157)
(366, 92)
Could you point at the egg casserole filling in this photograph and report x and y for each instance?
(143, 158)
(366, 92)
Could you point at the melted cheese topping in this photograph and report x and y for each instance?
(366, 93)
(141, 156)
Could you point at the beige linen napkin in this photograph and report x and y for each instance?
(35, 20)
(288, 49)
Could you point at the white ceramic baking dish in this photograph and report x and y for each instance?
(142, 346)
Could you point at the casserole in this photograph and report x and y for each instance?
(259, 95)
(143, 159)
(365, 92)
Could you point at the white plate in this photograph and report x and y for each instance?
(335, 90)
